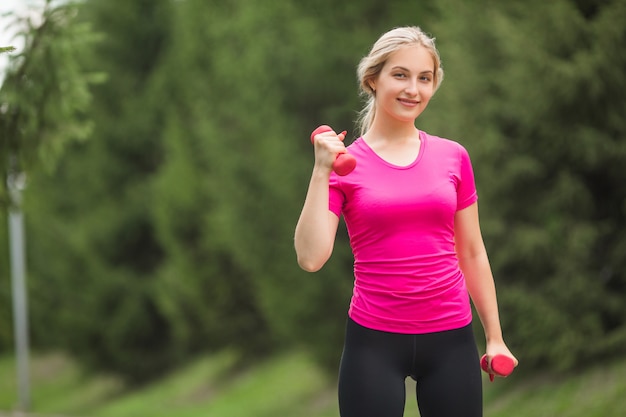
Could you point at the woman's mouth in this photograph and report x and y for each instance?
(408, 102)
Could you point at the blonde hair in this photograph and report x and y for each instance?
(371, 65)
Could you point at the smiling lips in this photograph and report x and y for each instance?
(408, 102)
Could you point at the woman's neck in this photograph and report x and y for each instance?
(391, 134)
(398, 144)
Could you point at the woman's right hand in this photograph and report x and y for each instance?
(328, 145)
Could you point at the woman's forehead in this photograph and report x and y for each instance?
(414, 58)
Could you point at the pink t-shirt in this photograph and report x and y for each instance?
(401, 226)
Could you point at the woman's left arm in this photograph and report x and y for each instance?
(474, 263)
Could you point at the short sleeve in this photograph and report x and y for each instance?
(466, 187)
(336, 197)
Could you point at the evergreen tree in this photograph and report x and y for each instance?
(93, 241)
(43, 98)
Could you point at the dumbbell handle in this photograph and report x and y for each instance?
(345, 163)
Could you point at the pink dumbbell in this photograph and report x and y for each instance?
(345, 163)
(501, 365)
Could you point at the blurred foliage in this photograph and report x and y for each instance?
(45, 90)
(43, 99)
(169, 232)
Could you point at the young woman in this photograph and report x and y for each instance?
(410, 208)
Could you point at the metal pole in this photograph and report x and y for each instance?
(18, 279)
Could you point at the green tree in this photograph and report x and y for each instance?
(44, 92)
(41, 111)
(224, 188)
(93, 242)
(42, 100)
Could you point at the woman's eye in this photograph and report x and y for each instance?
(399, 75)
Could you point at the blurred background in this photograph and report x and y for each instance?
(165, 146)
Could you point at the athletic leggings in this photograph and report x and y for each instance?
(375, 364)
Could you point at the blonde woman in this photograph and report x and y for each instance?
(410, 207)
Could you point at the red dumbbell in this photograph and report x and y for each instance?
(501, 365)
(345, 163)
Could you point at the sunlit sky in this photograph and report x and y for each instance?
(7, 34)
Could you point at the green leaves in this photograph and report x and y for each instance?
(46, 90)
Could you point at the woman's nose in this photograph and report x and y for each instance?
(412, 88)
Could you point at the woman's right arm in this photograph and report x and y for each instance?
(317, 225)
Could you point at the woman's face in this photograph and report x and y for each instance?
(405, 84)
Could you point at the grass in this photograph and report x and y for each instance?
(57, 385)
(279, 387)
(289, 385)
(597, 392)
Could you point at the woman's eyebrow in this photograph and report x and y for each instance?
(398, 67)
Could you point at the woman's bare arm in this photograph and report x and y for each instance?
(474, 263)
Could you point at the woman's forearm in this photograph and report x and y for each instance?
(317, 226)
(481, 286)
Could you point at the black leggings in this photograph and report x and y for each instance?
(375, 365)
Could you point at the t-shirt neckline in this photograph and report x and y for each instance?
(422, 137)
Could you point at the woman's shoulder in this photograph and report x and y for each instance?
(434, 141)
(358, 146)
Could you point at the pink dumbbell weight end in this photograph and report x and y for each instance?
(345, 163)
(500, 365)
